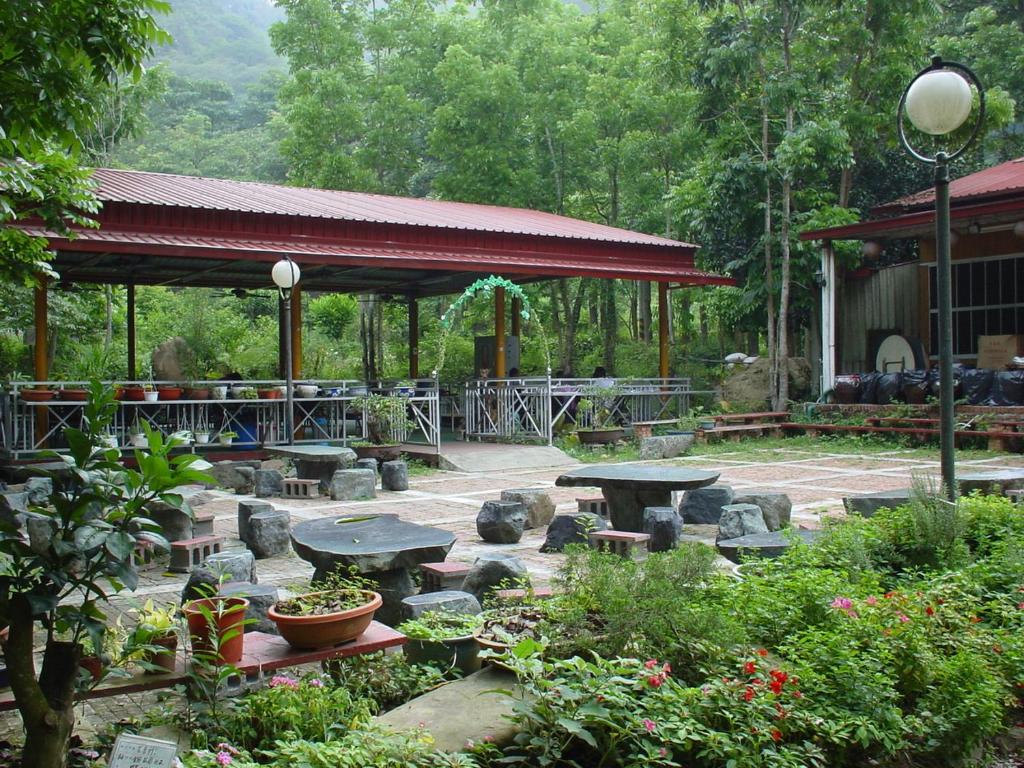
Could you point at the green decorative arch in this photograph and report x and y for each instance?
(486, 286)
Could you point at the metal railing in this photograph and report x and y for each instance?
(534, 408)
(248, 414)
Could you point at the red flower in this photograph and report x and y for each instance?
(666, 668)
(890, 595)
(776, 734)
(997, 649)
(797, 695)
(776, 686)
(975, 619)
(749, 668)
(930, 611)
(1020, 606)
(748, 694)
(763, 652)
(778, 674)
(655, 681)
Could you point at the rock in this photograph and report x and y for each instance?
(866, 504)
(772, 544)
(665, 446)
(471, 709)
(246, 509)
(260, 597)
(664, 525)
(234, 565)
(571, 529)
(996, 482)
(168, 359)
(740, 520)
(539, 508)
(394, 586)
(704, 505)
(38, 490)
(501, 522)
(202, 582)
(13, 506)
(269, 533)
(449, 601)
(353, 485)
(776, 507)
(394, 476)
(748, 384)
(495, 571)
(367, 464)
(267, 483)
(40, 530)
(234, 475)
(176, 524)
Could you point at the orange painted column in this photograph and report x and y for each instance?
(297, 332)
(499, 333)
(41, 358)
(663, 330)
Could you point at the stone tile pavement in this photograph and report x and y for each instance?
(815, 481)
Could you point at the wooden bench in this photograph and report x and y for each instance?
(736, 431)
(751, 418)
(263, 653)
(438, 577)
(997, 441)
(622, 543)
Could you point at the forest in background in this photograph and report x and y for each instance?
(732, 125)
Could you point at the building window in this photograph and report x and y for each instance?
(988, 300)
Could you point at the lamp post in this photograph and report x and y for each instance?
(938, 101)
(285, 275)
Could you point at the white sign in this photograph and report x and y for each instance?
(141, 752)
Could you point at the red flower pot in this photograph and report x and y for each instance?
(327, 629)
(217, 617)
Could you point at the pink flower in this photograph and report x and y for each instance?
(662, 752)
(283, 680)
(871, 600)
(902, 618)
(842, 603)
(650, 664)
(225, 747)
(650, 725)
(224, 758)
(655, 681)
(316, 682)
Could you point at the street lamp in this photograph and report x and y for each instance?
(285, 275)
(938, 101)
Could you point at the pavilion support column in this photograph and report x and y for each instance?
(828, 316)
(663, 321)
(499, 333)
(41, 358)
(130, 312)
(282, 339)
(414, 338)
(296, 332)
(517, 311)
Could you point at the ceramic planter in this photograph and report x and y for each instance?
(218, 393)
(140, 441)
(202, 438)
(600, 436)
(220, 617)
(326, 630)
(150, 395)
(306, 390)
(462, 653)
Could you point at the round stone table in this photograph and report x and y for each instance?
(381, 547)
(316, 462)
(629, 488)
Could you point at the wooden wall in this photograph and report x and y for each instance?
(886, 300)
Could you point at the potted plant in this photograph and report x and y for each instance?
(686, 425)
(202, 434)
(227, 437)
(339, 609)
(443, 638)
(597, 408)
(306, 390)
(385, 418)
(219, 392)
(156, 636)
(504, 629)
(150, 393)
(169, 392)
(138, 436)
(270, 393)
(216, 628)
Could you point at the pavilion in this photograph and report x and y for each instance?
(163, 229)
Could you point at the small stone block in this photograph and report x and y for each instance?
(144, 555)
(233, 565)
(595, 505)
(202, 525)
(190, 552)
(501, 522)
(293, 488)
(438, 577)
(394, 476)
(269, 533)
(449, 601)
(267, 482)
(622, 543)
(366, 464)
(260, 597)
(246, 509)
(540, 510)
(353, 485)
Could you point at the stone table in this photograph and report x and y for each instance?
(316, 462)
(629, 488)
(381, 547)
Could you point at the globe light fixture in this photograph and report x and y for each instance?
(285, 275)
(938, 101)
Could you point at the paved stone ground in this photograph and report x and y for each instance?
(815, 481)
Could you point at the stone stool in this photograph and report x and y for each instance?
(539, 507)
(494, 571)
(246, 509)
(443, 576)
(260, 597)
(367, 464)
(269, 533)
(622, 543)
(740, 520)
(866, 504)
(704, 505)
(449, 601)
(571, 529)
(267, 482)
(664, 526)
(769, 545)
(353, 485)
(394, 476)
(501, 522)
(777, 508)
(235, 565)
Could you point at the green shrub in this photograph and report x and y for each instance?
(385, 679)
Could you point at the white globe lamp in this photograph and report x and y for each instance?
(285, 274)
(939, 102)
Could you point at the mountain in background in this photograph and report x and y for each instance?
(221, 40)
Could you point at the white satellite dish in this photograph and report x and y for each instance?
(894, 354)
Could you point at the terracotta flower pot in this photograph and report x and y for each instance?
(197, 393)
(165, 658)
(228, 617)
(270, 394)
(74, 395)
(325, 630)
(93, 665)
(135, 394)
(170, 393)
(37, 395)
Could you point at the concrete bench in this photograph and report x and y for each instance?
(622, 543)
(439, 577)
(190, 552)
(595, 505)
(293, 488)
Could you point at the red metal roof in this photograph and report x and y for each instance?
(163, 189)
(998, 181)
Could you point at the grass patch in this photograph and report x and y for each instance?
(766, 449)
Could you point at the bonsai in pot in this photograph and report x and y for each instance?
(156, 637)
(386, 419)
(597, 408)
(443, 638)
(337, 610)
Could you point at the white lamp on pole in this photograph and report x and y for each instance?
(285, 275)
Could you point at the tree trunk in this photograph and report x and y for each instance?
(47, 704)
(367, 335)
(610, 324)
(644, 315)
(769, 282)
(781, 389)
(703, 319)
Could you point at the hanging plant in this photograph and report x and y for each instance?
(486, 286)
